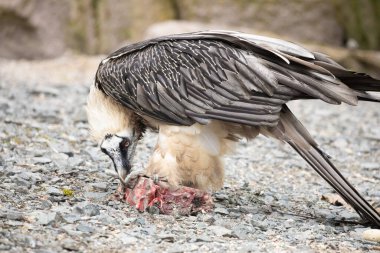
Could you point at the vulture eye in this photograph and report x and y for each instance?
(125, 143)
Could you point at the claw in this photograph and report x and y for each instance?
(121, 187)
(131, 179)
(156, 178)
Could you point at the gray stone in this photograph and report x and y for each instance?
(31, 177)
(127, 239)
(25, 240)
(348, 215)
(57, 199)
(262, 225)
(107, 220)
(21, 182)
(45, 251)
(75, 161)
(94, 153)
(70, 244)
(5, 247)
(15, 223)
(41, 160)
(71, 218)
(206, 218)
(182, 247)
(71, 230)
(149, 230)
(54, 191)
(234, 214)
(78, 209)
(100, 186)
(85, 228)
(221, 210)
(95, 195)
(248, 247)
(128, 221)
(268, 199)
(203, 238)
(242, 231)
(63, 147)
(60, 160)
(289, 223)
(91, 210)
(140, 221)
(12, 215)
(166, 237)
(55, 180)
(153, 210)
(341, 143)
(371, 165)
(46, 204)
(220, 231)
(220, 196)
(47, 218)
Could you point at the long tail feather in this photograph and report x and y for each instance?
(330, 173)
(293, 132)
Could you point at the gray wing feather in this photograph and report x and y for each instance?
(188, 78)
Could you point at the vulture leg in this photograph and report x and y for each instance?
(293, 132)
(190, 156)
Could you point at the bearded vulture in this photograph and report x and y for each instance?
(203, 91)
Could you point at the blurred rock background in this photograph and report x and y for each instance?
(38, 29)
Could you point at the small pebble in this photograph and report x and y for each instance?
(221, 210)
(91, 210)
(85, 228)
(372, 235)
(70, 245)
(127, 239)
(41, 160)
(54, 191)
(100, 186)
(10, 215)
(219, 230)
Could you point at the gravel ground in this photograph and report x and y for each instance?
(56, 191)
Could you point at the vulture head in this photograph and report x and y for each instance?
(116, 129)
(120, 150)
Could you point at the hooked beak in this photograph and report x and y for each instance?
(121, 151)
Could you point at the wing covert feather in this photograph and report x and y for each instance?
(218, 75)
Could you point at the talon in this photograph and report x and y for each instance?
(156, 178)
(132, 178)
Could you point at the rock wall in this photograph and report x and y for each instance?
(360, 20)
(308, 20)
(100, 26)
(32, 29)
(46, 28)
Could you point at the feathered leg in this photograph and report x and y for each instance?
(293, 132)
(191, 156)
